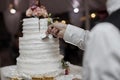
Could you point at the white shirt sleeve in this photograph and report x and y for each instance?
(76, 36)
(102, 54)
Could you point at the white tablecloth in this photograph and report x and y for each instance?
(10, 71)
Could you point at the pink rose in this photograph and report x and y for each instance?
(37, 11)
(44, 12)
(40, 12)
(29, 12)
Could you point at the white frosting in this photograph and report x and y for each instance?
(37, 56)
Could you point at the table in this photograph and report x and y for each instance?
(10, 71)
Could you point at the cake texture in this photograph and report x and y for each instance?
(38, 56)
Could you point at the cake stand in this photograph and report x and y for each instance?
(11, 71)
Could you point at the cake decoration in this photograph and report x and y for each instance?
(37, 10)
(65, 66)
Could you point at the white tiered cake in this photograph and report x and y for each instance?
(39, 58)
(37, 55)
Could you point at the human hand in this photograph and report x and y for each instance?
(57, 29)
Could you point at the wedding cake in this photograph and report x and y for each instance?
(38, 55)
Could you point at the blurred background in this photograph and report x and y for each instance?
(82, 13)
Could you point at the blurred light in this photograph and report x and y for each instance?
(93, 15)
(11, 8)
(63, 21)
(75, 3)
(12, 11)
(83, 18)
(76, 10)
(56, 21)
(16, 2)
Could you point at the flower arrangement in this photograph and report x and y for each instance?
(65, 66)
(37, 10)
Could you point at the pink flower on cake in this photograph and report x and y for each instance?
(44, 12)
(29, 12)
(37, 11)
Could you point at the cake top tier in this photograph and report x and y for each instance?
(37, 10)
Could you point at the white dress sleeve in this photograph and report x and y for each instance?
(76, 36)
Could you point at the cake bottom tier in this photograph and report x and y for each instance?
(35, 67)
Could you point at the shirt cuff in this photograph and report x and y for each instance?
(69, 33)
(76, 36)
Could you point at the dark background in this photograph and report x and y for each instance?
(11, 25)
